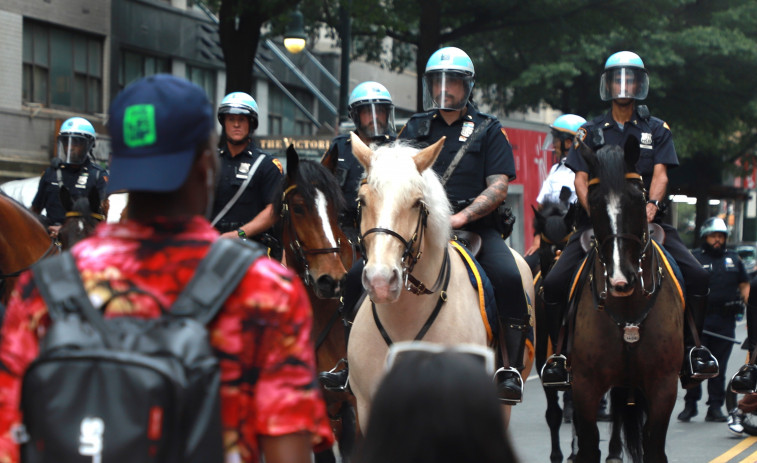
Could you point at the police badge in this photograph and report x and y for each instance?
(244, 170)
(466, 131)
(646, 140)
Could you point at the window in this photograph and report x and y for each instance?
(62, 68)
(134, 66)
(284, 117)
(205, 78)
(275, 111)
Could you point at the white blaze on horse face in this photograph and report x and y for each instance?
(613, 212)
(321, 206)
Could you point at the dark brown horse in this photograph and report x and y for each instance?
(23, 241)
(82, 216)
(554, 222)
(319, 252)
(628, 323)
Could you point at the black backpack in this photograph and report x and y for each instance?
(127, 389)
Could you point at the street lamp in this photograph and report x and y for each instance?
(294, 38)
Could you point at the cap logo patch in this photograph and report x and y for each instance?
(139, 126)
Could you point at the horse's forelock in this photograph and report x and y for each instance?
(611, 169)
(393, 170)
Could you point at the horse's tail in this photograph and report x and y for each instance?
(628, 412)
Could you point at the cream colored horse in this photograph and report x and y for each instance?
(400, 189)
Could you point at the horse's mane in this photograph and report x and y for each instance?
(393, 170)
(43, 220)
(311, 176)
(611, 169)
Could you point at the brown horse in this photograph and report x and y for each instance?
(23, 241)
(319, 252)
(629, 317)
(82, 216)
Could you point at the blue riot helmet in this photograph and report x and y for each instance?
(563, 128)
(372, 110)
(624, 77)
(76, 139)
(239, 103)
(448, 80)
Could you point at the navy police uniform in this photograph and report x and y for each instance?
(79, 180)
(259, 192)
(656, 143)
(726, 272)
(489, 154)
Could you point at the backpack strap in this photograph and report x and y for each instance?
(216, 278)
(59, 283)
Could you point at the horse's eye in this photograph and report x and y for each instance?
(298, 209)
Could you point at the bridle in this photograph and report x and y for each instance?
(94, 215)
(300, 252)
(645, 245)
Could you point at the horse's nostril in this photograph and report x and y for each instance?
(326, 285)
(395, 277)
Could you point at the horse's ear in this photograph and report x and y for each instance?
(65, 198)
(570, 216)
(329, 160)
(293, 163)
(94, 200)
(632, 152)
(425, 158)
(361, 151)
(538, 220)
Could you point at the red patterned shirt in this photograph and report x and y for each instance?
(262, 335)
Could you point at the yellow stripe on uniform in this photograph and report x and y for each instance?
(479, 287)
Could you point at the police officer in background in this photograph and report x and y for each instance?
(729, 291)
(624, 81)
(372, 111)
(244, 167)
(477, 187)
(73, 169)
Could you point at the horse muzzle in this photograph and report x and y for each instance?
(383, 283)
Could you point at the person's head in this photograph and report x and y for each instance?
(76, 139)
(162, 139)
(372, 110)
(624, 79)
(238, 115)
(714, 233)
(436, 407)
(563, 129)
(448, 80)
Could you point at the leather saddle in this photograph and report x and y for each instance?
(469, 239)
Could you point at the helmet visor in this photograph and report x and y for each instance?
(624, 83)
(444, 89)
(374, 119)
(73, 149)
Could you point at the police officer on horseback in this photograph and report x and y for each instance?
(372, 111)
(624, 82)
(243, 205)
(476, 166)
(73, 169)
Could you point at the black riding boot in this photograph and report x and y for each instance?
(698, 362)
(554, 373)
(745, 380)
(509, 381)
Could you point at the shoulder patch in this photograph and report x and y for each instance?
(580, 137)
(277, 163)
(504, 132)
(665, 124)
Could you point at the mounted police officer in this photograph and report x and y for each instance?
(558, 141)
(72, 168)
(243, 205)
(482, 167)
(372, 111)
(729, 291)
(624, 81)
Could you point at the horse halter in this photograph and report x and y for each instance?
(409, 256)
(644, 242)
(301, 253)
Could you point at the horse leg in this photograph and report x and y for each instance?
(585, 404)
(615, 451)
(349, 431)
(660, 403)
(554, 419)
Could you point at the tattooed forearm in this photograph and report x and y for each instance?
(494, 194)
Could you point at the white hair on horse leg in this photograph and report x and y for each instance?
(81, 225)
(320, 206)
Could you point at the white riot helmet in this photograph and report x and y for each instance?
(624, 77)
(448, 80)
(75, 140)
(713, 225)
